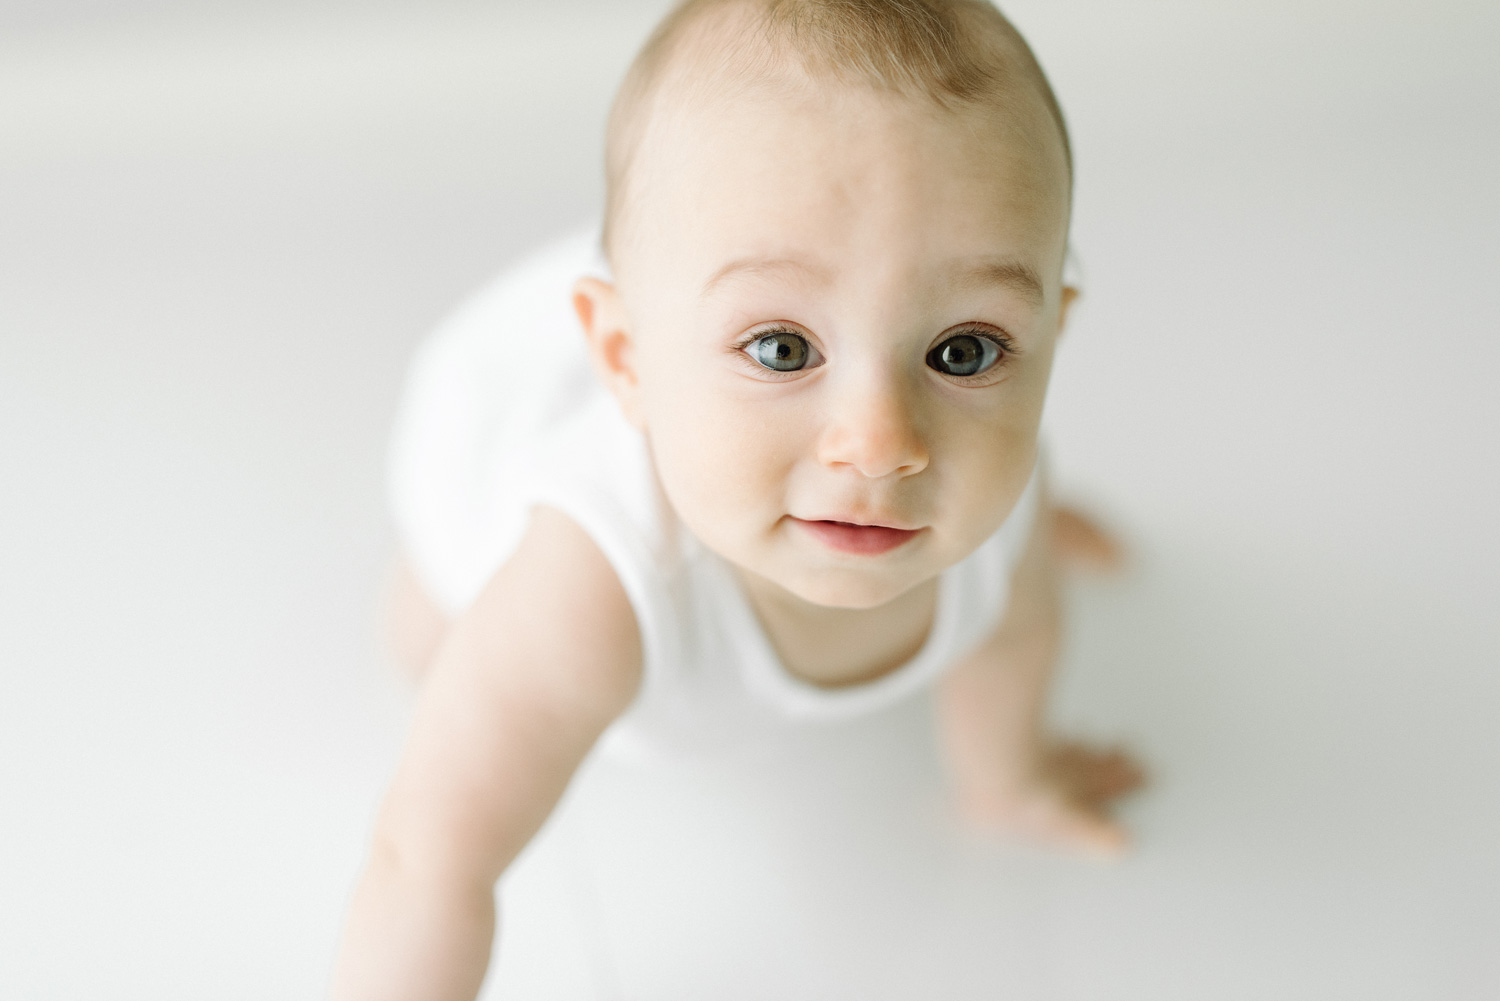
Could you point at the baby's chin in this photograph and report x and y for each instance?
(847, 589)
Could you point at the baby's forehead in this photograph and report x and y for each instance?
(779, 133)
(800, 153)
(825, 203)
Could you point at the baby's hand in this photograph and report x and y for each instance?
(1065, 802)
(1081, 542)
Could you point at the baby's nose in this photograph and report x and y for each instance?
(872, 427)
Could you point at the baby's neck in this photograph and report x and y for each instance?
(836, 647)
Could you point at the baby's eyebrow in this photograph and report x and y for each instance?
(1018, 277)
(747, 267)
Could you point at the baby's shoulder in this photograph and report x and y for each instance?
(556, 613)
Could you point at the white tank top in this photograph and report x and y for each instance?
(501, 412)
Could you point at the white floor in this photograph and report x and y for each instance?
(220, 236)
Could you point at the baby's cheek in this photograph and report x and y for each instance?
(991, 472)
(717, 465)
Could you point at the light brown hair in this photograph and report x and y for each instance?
(956, 53)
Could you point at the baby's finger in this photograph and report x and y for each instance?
(1079, 828)
(1082, 541)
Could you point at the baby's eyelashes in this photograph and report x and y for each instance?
(964, 355)
(780, 350)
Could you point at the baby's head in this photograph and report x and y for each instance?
(837, 231)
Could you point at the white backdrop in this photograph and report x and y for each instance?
(222, 230)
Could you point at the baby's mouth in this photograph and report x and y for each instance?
(859, 540)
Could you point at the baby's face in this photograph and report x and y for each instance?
(841, 312)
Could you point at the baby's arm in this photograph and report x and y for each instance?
(1008, 773)
(521, 688)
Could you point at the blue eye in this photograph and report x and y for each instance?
(782, 351)
(964, 354)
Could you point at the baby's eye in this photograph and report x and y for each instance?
(964, 354)
(782, 351)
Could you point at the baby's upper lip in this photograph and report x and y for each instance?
(867, 521)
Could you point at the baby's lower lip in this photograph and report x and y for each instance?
(861, 540)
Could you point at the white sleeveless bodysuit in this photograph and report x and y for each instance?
(501, 412)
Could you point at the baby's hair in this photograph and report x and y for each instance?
(956, 53)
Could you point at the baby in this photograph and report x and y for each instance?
(787, 473)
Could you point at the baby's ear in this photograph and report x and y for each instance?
(1070, 294)
(611, 346)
